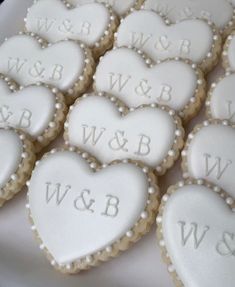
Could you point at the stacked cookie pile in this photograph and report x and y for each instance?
(123, 81)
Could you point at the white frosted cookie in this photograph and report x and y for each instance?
(229, 53)
(209, 154)
(16, 162)
(38, 110)
(149, 32)
(100, 197)
(130, 76)
(221, 99)
(150, 134)
(120, 7)
(196, 234)
(55, 20)
(219, 12)
(66, 65)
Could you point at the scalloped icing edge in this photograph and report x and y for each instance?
(55, 125)
(177, 145)
(23, 172)
(195, 102)
(160, 238)
(140, 228)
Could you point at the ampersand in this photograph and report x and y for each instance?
(81, 204)
(66, 26)
(162, 44)
(37, 70)
(226, 247)
(5, 114)
(143, 88)
(118, 142)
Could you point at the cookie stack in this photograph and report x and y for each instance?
(123, 80)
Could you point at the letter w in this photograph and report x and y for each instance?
(192, 232)
(44, 24)
(117, 80)
(220, 170)
(57, 192)
(92, 136)
(15, 64)
(138, 40)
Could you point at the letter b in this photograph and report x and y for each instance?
(144, 146)
(25, 119)
(112, 204)
(57, 72)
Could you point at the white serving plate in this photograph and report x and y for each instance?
(22, 264)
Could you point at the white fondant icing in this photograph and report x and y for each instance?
(124, 73)
(177, 10)
(205, 213)
(61, 226)
(211, 156)
(147, 31)
(30, 109)
(146, 134)
(23, 59)
(231, 54)
(54, 22)
(222, 102)
(10, 154)
(120, 7)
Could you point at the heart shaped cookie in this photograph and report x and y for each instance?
(147, 31)
(132, 78)
(151, 134)
(55, 20)
(117, 203)
(196, 233)
(120, 7)
(209, 154)
(38, 110)
(177, 10)
(221, 99)
(228, 53)
(66, 65)
(17, 161)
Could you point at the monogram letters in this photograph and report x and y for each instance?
(37, 70)
(22, 117)
(216, 165)
(194, 235)
(161, 43)
(64, 26)
(185, 13)
(119, 141)
(226, 247)
(118, 80)
(142, 88)
(58, 193)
